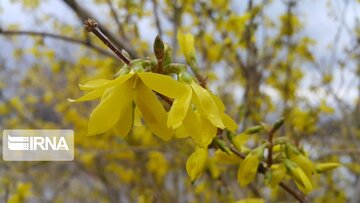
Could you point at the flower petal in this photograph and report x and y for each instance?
(248, 169)
(179, 109)
(137, 117)
(207, 131)
(125, 122)
(191, 124)
(89, 96)
(162, 84)
(229, 122)
(93, 84)
(107, 113)
(218, 102)
(207, 105)
(152, 111)
(104, 83)
(196, 163)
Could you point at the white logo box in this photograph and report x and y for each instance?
(38, 145)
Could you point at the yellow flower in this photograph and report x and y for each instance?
(326, 166)
(202, 99)
(196, 163)
(278, 172)
(248, 168)
(186, 42)
(202, 121)
(118, 96)
(224, 158)
(302, 181)
(302, 161)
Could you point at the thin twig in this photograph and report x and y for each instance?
(56, 36)
(92, 26)
(116, 18)
(84, 14)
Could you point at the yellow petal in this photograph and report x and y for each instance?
(302, 181)
(207, 131)
(107, 92)
(229, 122)
(301, 160)
(181, 132)
(186, 42)
(137, 117)
(240, 140)
(89, 96)
(125, 122)
(304, 163)
(93, 84)
(152, 111)
(224, 158)
(326, 166)
(107, 113)
(277, 175)
(207, 105)
(196, 163)
(181, 41)
(163, 84)
(248, 169)
(103, 83)
(179, 109)
(218, 102)
(192, 127)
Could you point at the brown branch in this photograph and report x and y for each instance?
(261, 169)
(84, 14)
(56, 36)
(92, 26)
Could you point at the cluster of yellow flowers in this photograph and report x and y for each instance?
(289, 162)
(195, 112)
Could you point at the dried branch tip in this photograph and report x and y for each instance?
(90, 24)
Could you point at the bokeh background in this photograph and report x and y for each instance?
(265, 59)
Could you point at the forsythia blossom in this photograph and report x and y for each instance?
(248, 168)
(195, 112)
(302, 181)
(326, 167)
(186, 42)
(118, 95)
(196, 163)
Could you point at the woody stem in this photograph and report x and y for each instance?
(92, 26)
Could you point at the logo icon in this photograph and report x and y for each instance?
(38, 145)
